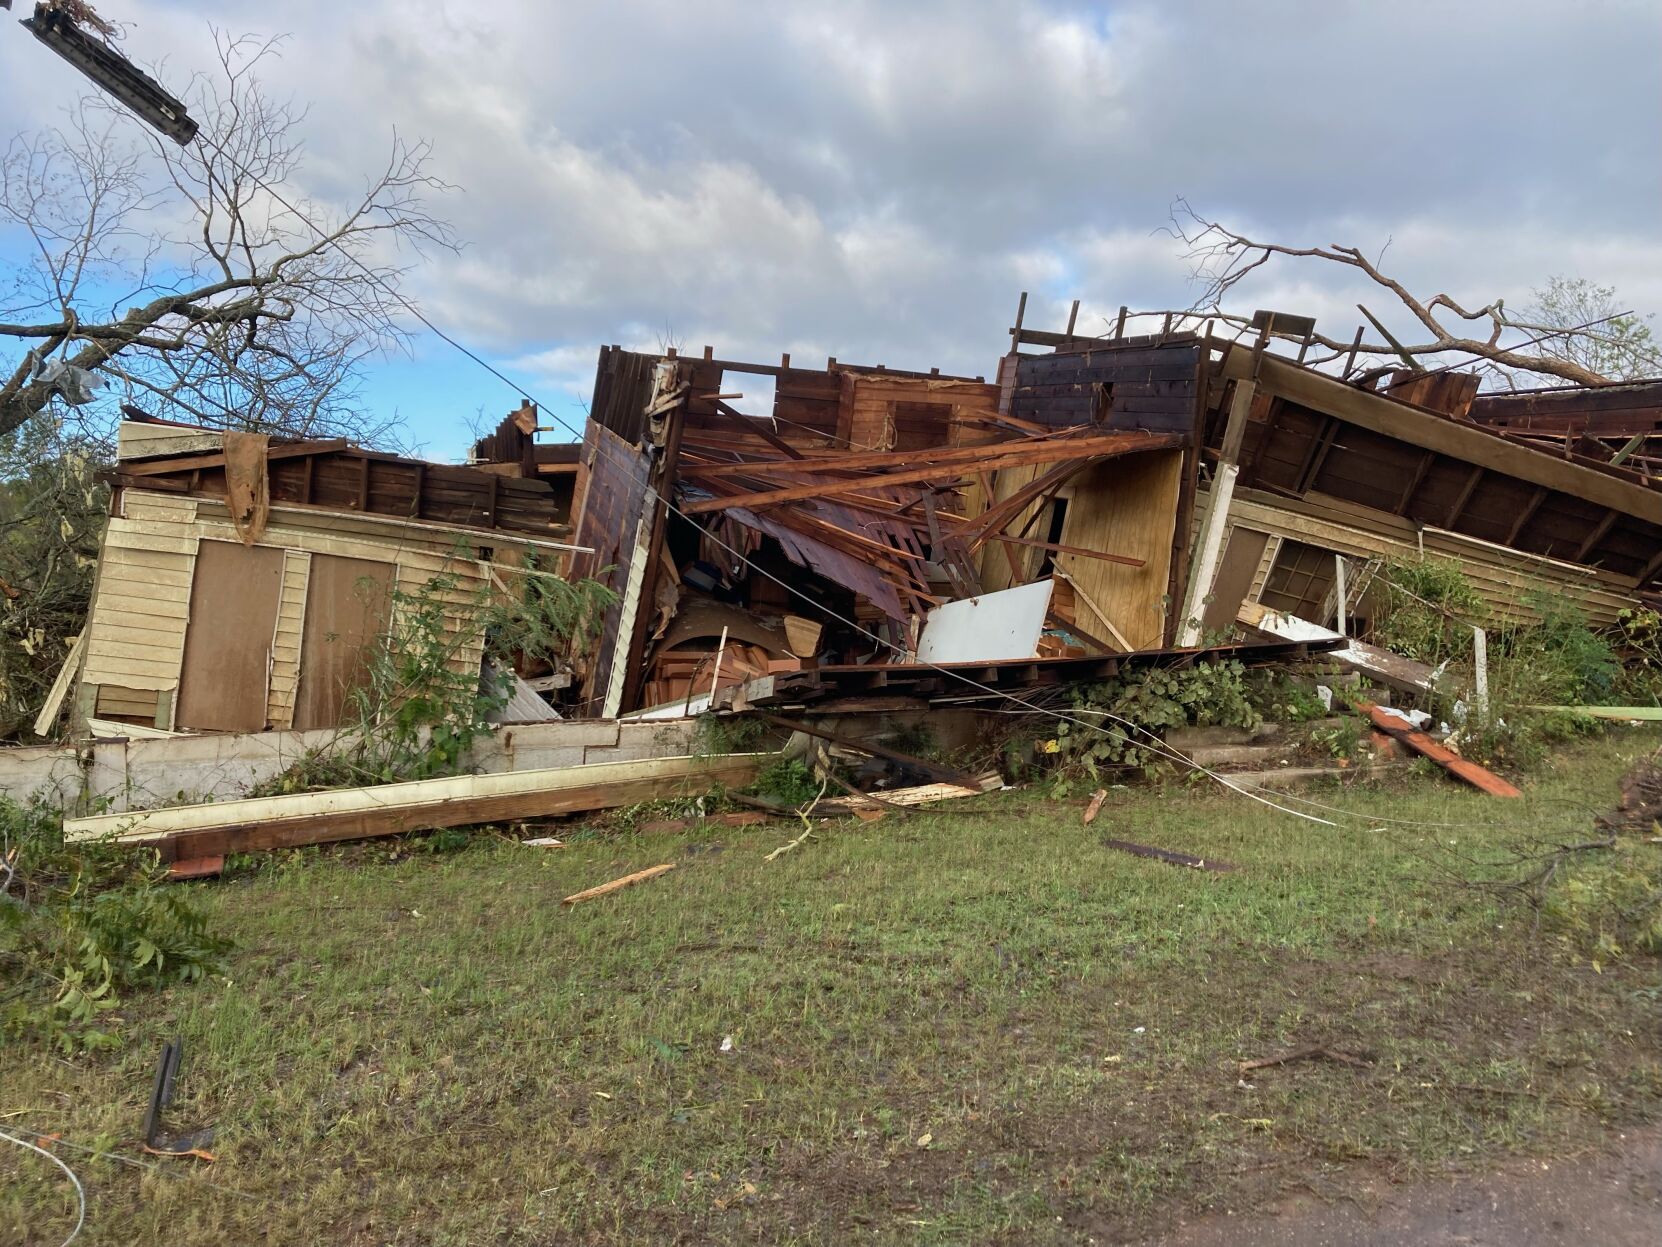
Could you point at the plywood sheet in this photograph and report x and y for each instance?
(1236, 573)
(233, 613)
(988, 628)
(1126, 506)
(347, 604)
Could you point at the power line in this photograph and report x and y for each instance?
(80, 1191)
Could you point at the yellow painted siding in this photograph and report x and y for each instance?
(168, 508)
(136, 633)
(1504, 578)
(995, 566)
(285, 642)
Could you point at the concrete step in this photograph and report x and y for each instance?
(1187, 738)
(1226, 757)
(1296, 776)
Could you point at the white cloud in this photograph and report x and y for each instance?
(878, 181)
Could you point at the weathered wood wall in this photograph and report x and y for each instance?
(141, 607)
(614, 497)
(1126, 506)
(1504, 578)
(885, 412)
(1128, 386)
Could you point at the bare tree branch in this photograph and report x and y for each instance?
(1222, 259)
(235, 309)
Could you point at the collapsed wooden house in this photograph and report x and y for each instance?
(1303, 476)
(830, 528)
(242, 578)
(1101, 497)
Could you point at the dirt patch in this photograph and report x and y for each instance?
(1640, 808)
(1613, 1199)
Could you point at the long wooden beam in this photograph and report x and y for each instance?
(1080, 449)
(216, 459)
(876, 460)
(1124, 559)
(1458, 439)
(188, 831)
(1001, 513)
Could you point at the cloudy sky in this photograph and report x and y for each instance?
(878, 182)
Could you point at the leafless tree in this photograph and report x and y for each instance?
(1495, 339)
(199, 282)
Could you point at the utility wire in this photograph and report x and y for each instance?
(80, 1191)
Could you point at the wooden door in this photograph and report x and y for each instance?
(234, 595)
(347, 605)
(1233, 581)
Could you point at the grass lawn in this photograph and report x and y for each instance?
(946, 1029)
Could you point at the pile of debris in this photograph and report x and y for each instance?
(862, 541)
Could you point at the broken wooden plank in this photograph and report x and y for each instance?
(1393, 670)
(1082, 449)
(617, 885)
(1321, 1051)
(189, 463)
(1167, 856)
(48, 715)
(418, 805)
(1057, 548)
(1095, 807)
(1478, 777)
(1620, 714)
(196, 867)
(940, 772)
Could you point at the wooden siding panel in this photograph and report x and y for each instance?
(286, 642)
(136, 628)
(1126, 506)
(346, 609)
(235, 594)
(1506, 579)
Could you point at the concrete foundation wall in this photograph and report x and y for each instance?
(117, 775)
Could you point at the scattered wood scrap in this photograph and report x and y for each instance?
(224, 827)
(923, 794)
(1381, 665)
(1168, 855)
(937, 771)
(1396, 726)
(1095, 807)
(196, 867)
(1640, 806)
(617, 885)
(1312, 1052)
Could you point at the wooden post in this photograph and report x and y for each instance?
(1015, 333)
(1339, 592)
(1119, 326)
(1073, 316)
(1350, 360)
(1214, 526)
(1480, 665)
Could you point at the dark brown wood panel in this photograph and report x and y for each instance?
(618, 482)
(1116, 387)
(347, 605)
(234, 595)
(1234, 579)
